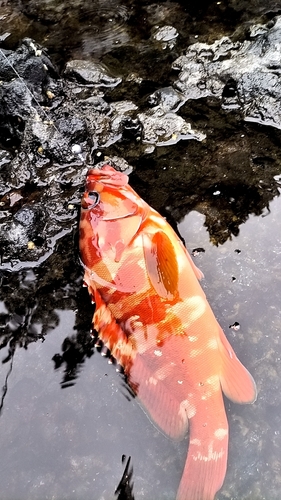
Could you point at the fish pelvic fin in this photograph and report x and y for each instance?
(157, 400)
(122, 347)
(206, 462)
(237, 383)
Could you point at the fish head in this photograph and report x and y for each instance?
(108, 195)
(111, 214)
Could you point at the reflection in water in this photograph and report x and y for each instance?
(5, 386)
(124, 489)
(75, 350)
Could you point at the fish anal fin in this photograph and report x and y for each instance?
(161, 264)
(237, 383)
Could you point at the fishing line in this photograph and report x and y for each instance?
(29, 91)
(76, 148)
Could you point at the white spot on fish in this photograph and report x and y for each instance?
(221, 433)
(194, 352)
(212, 455)
(195, 441)
(192, 338)
(163, 372)
(153, 381)
(214, 382)
(180, 382)
(157, 352)
(212, 344)
(195, 306)
(207, 395)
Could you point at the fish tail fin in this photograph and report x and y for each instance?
(112, 335)
(206, 462)
(237, 383)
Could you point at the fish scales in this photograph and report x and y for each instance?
(153, 315)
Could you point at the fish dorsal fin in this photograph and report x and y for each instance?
(161, 264)
(237, 383)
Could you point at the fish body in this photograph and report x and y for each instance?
(152, 314)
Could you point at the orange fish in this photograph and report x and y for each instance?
(153, 315)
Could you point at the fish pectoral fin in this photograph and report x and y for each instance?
(161, 264)
(237, 383)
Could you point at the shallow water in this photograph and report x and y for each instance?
(66, 422)
(68, 443)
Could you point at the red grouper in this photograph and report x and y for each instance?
(153, 316)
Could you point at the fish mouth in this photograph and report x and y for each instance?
(106, 175)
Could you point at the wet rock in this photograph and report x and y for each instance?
(244, 76)
(92, 73)
(27, 75)
(5, 162)
(165, 34)
(163, 129)
(162, 126)
(167, 98)
(22, 232)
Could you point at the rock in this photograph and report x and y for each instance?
(244, 76)
(161, 125)
(165, 129)
(89, 72)
(166, 34)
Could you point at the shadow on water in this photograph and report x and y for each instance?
(220, 195)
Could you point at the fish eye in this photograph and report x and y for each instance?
(94, 198)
